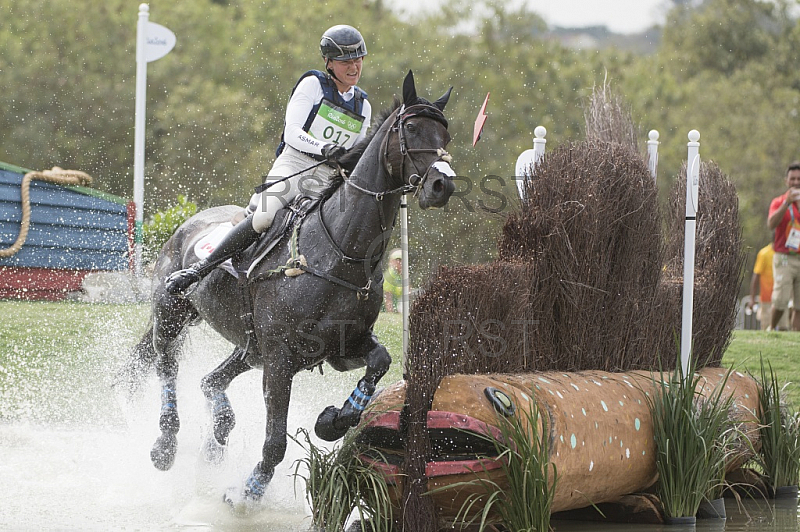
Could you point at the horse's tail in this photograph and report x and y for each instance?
(139, 363)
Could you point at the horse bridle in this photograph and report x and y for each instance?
(415, 181)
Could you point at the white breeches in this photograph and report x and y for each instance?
(265, 205)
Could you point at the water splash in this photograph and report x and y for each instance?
(76, 450)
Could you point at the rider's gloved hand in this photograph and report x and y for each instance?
(333, 152)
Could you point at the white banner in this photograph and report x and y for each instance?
(158, 41)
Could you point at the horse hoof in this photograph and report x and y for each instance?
(240, 506)
(326, 427)
(163, 452)
(256, 483)
(245, 502)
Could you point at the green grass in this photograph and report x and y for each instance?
(780, 349)
(55, 357)
(50, 328)
(389, 330)
(34, 334)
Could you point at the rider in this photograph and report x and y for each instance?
(326, 115)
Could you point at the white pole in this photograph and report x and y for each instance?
(404, 252)
(138, 144)
(528, 159)
(692, 191)
(652, 153)
(538, 143)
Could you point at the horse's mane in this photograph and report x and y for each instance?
(350, 159)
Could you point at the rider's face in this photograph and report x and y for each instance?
(793, 179)
(346, 73)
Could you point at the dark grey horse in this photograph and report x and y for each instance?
(326, 313)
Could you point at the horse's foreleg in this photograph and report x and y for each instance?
(333, 422)
(277, 390)
(214, 385)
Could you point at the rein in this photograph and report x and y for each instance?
(414, 184)
(261, 188)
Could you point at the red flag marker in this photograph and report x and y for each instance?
(480, 121)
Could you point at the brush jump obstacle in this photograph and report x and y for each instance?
(309, 293)
(579, 314)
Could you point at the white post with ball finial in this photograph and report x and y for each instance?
(528, 159)
(692, 191)
(404, 254)
(652, 153)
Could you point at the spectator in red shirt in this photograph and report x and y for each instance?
(784, 219)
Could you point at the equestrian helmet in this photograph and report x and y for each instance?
(342, 43)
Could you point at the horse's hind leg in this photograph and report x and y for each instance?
(214, 385)
(333, 422)
(168, 334)
(139, 363)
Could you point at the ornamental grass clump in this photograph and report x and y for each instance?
(521, 499)
(779, 457)
(695, 437)
(338, 482)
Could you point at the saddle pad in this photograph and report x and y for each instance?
(209, 242)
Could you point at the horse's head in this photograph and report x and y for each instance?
(421, 137)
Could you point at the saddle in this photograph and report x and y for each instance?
(286, 221)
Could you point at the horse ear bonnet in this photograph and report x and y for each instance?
(442, 101)
(409, 90)
(426, 108)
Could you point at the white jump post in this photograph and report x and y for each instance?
(692, 191)
(528, 159)
(405, 283)
(153, 41)
(652, 153)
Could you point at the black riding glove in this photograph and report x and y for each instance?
(333, 152)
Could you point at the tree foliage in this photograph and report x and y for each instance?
(215, 104)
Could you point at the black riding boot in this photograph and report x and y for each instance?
(240, 237)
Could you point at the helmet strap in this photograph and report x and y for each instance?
(332, 75)
(330, 70)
